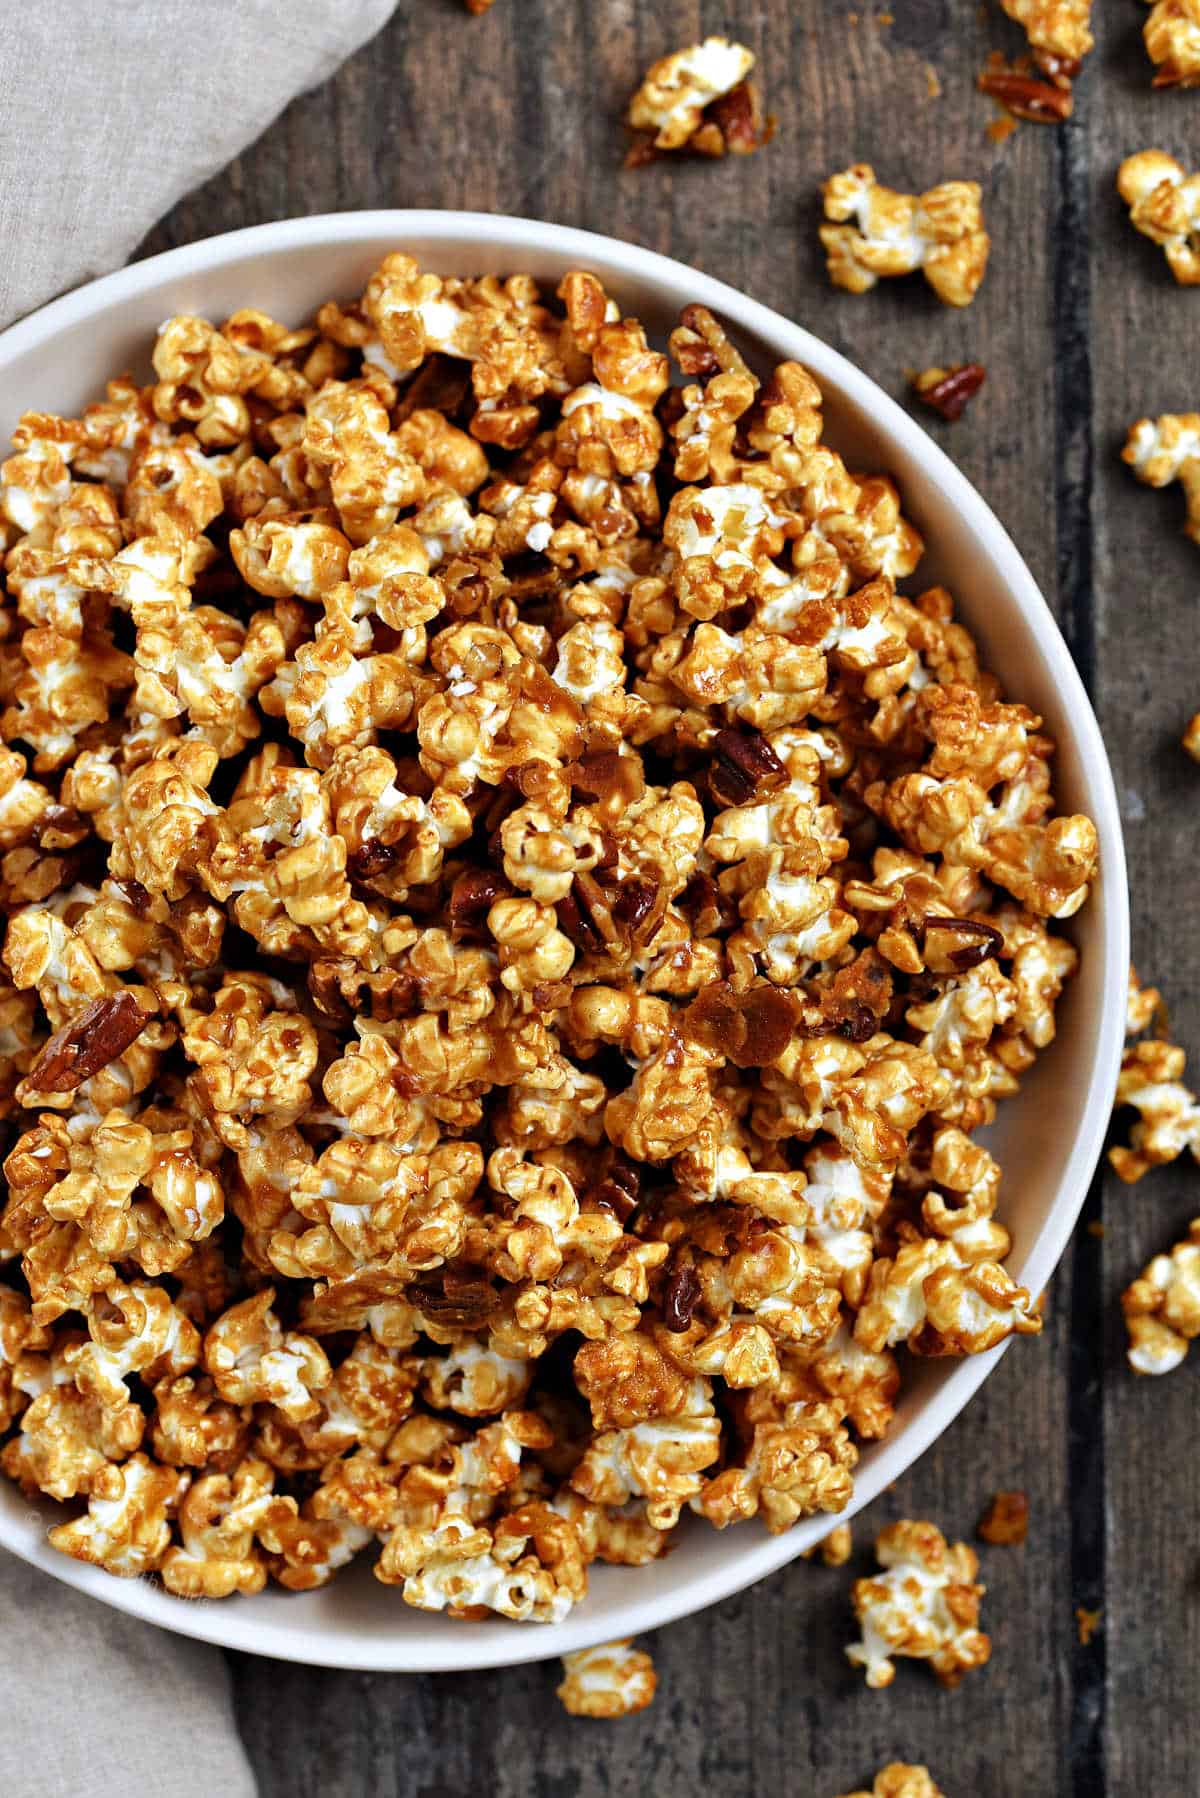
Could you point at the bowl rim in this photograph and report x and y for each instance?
(465, 1647)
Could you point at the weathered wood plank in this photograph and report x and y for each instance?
(520, 112)
(1147, 578)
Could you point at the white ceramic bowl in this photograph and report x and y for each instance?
(1048, 1138)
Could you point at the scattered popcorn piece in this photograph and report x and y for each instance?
(1172, 38)
(924, 1606)
(1165, 449)
(1057, 29)
(939, 232)
(1162, 1307)
(699, 99)
(900, 1780)
(834, 1549)
(1151, 1082)
(1006, 1520)
(1143, 1005)
(1164, 205)
(1087, 1623)
(614, 1680)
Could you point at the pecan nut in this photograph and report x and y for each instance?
(744, 764)
(947, 390)
(102, 1031)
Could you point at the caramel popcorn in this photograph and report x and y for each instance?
(699, 99)
(511, 923)
(1164, 205)
(614, 1680)
(1057, 31)
(940, 232)
(1162, 1307)
(1166, 449)
(901, 1780)
(924, 1606)
(1172, 38)
(1151, 1083)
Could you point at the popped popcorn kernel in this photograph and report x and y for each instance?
(1164, 205)
(923, 1606)
(940, 232)
(899, 1779)
(1172, 38)
(614, 1680)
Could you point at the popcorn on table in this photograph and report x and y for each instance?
(1162, 1307)
(876, 232)
(613, 1680)
(1172, 38)
(901, 1780)
(701, 99)
(1165, 449)
(511, 923)
(923, 1606)
(1164, 205)
(1058, 31)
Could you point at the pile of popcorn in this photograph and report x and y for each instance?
(512, 922)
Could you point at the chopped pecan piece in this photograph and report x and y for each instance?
(744, 764)
(1023, 95)
(681, 1295)
(751, 1028)
(102, 1031)
(947, 390)
(472, 898)
(989, 940)
(371, 859)
(462, 1298)
(735, 125)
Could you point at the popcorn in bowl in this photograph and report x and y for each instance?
(513, 921)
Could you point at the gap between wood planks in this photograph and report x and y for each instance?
(1075, 460)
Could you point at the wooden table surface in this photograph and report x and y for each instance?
(1082, 330)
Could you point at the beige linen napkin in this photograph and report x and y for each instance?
(110, 112)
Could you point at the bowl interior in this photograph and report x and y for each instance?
(58, 361)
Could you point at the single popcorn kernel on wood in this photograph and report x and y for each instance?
(940, 232)
(502, 966)
(1058, 30)
(923, 1606)
(614, 1680)
(1164, 205)
(1151, 1083)
(699, 99)
(899, 1779)
(948, 390)
(1006, 1520)
(1191, 737)
(1165, 449)
(1144, 1005)
(1172, 38)
(1162, 1307)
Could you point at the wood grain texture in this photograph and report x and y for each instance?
(1081, 330)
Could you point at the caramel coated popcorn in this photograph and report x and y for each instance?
(1172, 38)
(899, 1779)
(1058, 31)
(614, 1680)
(1164, 205)
(512, 921)
(1165, 449)
(699, 99)
(923, 1606)
(1162, 1307)
(876, 232)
